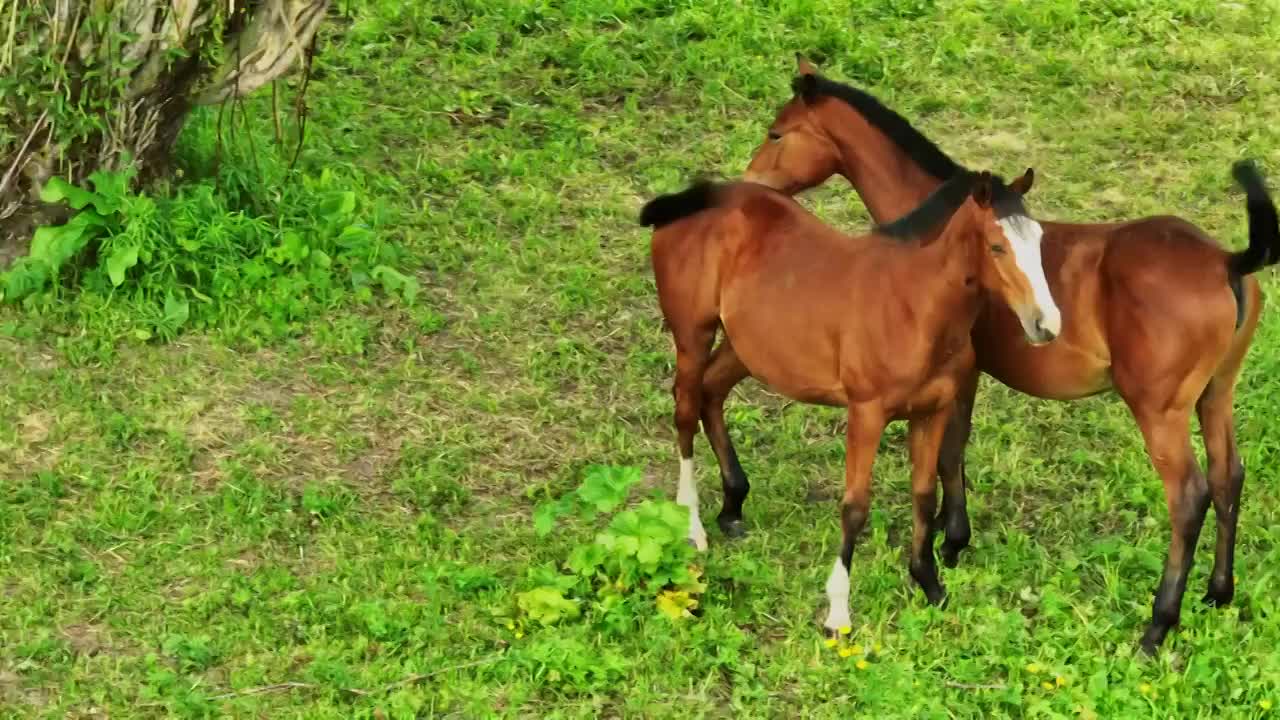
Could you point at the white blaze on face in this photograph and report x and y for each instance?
(838, 597)
(687, 495)
(1024, 235)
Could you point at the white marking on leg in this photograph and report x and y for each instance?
(687, 495)
(1024, 234)
(838, 597)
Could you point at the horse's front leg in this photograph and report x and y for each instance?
(925, 439)
(954, 518)
(866, 425)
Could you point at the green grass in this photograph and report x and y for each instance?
(347, 503)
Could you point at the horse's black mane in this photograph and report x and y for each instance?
(935, 210)
(943, 203)
(918, 147)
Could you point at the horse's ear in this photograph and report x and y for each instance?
(982, 190)
(804, 67)
(806, 87)
(1023, 184)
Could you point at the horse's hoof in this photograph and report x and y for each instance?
(830, 633)
(1220, 596)
(1151, 641)
(733, 528)
(950, 555)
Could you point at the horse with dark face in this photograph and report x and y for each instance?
(1153, 309)
(880, 325)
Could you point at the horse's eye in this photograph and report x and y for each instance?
(775, 137)
(997, 249)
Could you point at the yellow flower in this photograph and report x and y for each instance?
(862, 664)
(1046, 685)
(519, 634)
(1264, 704)
(845, 629)
(856, 649)
(511, 625)
(831, 642)
(1033, 668)
(1145, 688)
(1061, 681)
(845, 652)
(875, 648)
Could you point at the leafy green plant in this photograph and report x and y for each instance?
(603, 488)
(642, 551)
(103, 211)
(193, 258)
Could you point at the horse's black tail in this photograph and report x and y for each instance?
(666, 209)
(1264, 227)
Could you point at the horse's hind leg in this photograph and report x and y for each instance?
(1168, 439)
(1226, 472)
(693, 347)
(1226, 479)
(724, 372)
(954, 518)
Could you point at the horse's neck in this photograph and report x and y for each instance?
(887, 179)
(949, 269)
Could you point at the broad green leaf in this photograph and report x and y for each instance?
(176, 311)
(111, 187)
(338, 206)
(628, 545)
(58, 190)
(394, 281)
(545, 515)
(650, 551)
(586, 558)
(121, 259)
(692, 583)
(547, 605)
(605, 487)
(354, 236)
(626, 522)
(676, 604)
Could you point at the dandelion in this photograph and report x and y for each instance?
(1061, 681)
(1033, 668)
(831, 643)
(845, 652)
(1264, 704)
(1047, 685)
(856, 649)
(862, 664)
(845, 629)
(1145, 688)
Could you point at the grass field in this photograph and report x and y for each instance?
(349, 505)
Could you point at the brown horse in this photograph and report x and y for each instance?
(1152, 308)
(828, 319)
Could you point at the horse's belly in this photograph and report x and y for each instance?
(798, 363)
(1059, 370)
